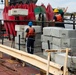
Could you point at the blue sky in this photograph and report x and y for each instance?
(60, 3)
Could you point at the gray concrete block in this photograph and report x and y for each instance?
(66, 42)
(22, 47)
(21, 34)
(19, 28)
(22, 41)
(59, 32)
(45, 45)
(45, 38)
(60, 58)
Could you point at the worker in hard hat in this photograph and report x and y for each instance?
(30, 35)
(58, 18)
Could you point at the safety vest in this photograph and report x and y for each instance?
(31, 32)
(59, 18)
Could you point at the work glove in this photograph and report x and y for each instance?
(25, 39)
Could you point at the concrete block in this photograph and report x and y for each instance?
(57, 47)
(37, 43)
(64, 33)
(73, 50)
(60, 58)
(52, 57)
(19, 27)
(22, 35)
(64, 42)
(45, 53)
(45, 45)
(22, 47)
(17, 12)
(45, 38)
(37, 50)
(59, 32)
(47, 31)
(38, 36)
(22, 41)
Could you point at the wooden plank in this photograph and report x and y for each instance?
(32, 59)
(56, 50)
(65, 63)
(48, 63)
(1, 54)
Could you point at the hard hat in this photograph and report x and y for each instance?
(30, 23)
(56, 10)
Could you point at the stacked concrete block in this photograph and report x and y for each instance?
(67, 42)
(22, 40)
(56, 47)
(20, 36)
(22, 47)
(61, 38)
(38, 36)
(44, 40)
(66, 38)
(60, 59)
(19, 28)
(45, 45)
(37, 43)
(59, 32)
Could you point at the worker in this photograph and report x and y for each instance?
(30, 35)
(58, 18)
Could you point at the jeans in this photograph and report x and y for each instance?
(30, 45)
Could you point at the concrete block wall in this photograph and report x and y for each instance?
(61, 38)
(21, 31)
(59, 32)
(22, 47)
(22, 40)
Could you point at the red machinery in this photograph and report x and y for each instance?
(10, 21)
